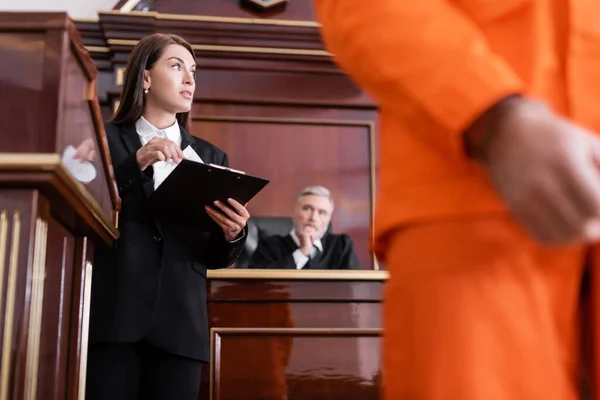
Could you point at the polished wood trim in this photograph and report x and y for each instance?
(305, 275)
(214, 362)
(263, 50)
(119, 77)
(37, 280)
(97, 49)
(236, 20)
(147, 14)
(85, 20)
(98, 123)
(237, 49)
(9, 314)
(78, 48)
(83, 254)
(208, 18)
(3, 244)
(4, 223)
(31, 163)
(85, 329)
(294, 121)
(298, 331)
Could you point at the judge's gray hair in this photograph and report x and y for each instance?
(316, 191)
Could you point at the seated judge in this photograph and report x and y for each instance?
(308, 245)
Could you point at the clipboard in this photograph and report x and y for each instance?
(181, 197)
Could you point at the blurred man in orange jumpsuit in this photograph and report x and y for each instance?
(489, 189)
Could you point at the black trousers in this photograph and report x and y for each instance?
(138, 371)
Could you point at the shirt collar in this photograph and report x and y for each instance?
(318, 243)
(145, 128)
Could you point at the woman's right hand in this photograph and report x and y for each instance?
(158, 149)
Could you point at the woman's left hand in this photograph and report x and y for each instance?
(232, 219)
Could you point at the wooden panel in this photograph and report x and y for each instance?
(43, 322)
(16, 217)
(294, 154)
(276, 88)
(79, 318)
(306, 304)
(33, 45)
(271, 87)
(54, 345)
(296, 364)
(79, 134)
(307, 113)
(48, 83)
(294, 338)
(317, 314)
(22, 77)
(308, 291)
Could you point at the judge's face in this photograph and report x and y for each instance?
(171, 81)
(312, 213)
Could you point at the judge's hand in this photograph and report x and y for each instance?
(547, 169)
(233, 221)
(158, 149)
(307, 237)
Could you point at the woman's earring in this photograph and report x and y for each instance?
(146, 91)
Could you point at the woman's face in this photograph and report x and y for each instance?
(171, 81)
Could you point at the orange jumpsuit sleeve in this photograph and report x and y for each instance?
(423, 54)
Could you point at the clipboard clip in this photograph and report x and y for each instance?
(227, 169)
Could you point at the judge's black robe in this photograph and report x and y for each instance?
(275, 252)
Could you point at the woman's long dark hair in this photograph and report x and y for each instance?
(142, 57)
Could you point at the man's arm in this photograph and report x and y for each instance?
(419, 57)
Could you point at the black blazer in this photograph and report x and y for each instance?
(152, 283)
(275, 252)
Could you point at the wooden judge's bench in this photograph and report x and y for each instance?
(271, 97)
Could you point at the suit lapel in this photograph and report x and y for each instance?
(133, 144)
(130, 137)
(187, 139)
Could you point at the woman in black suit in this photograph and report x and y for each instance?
(148, 323)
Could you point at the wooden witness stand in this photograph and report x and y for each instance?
(49, 221)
